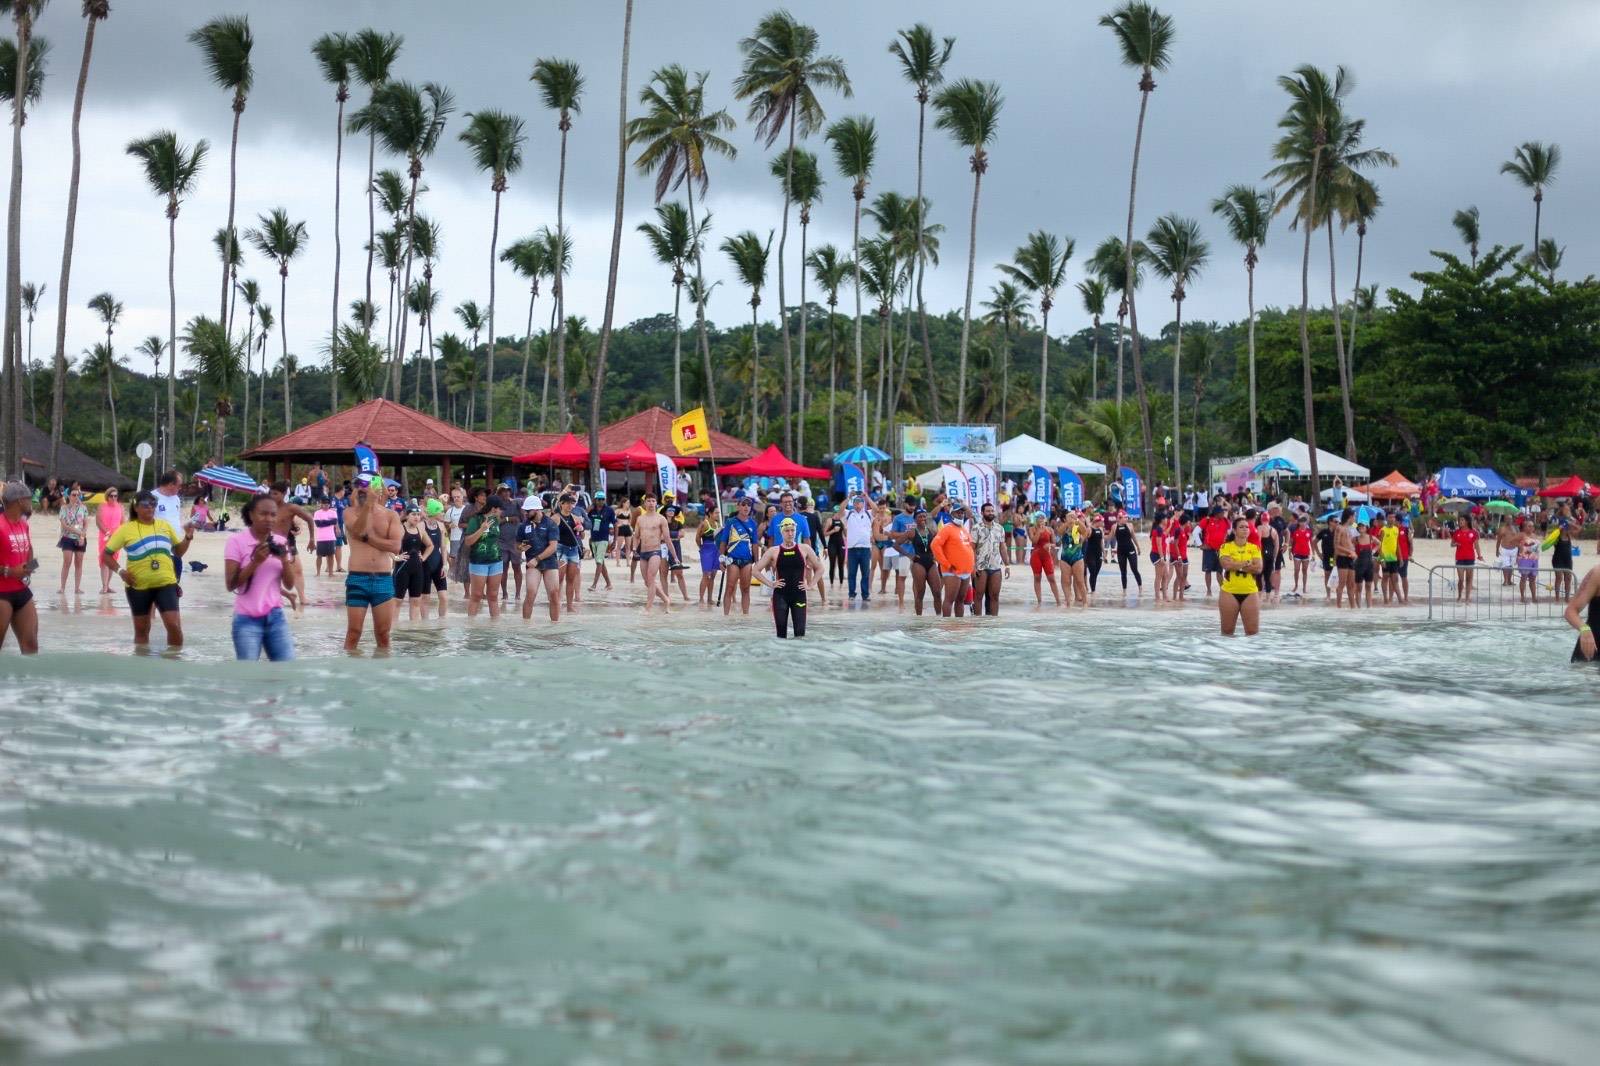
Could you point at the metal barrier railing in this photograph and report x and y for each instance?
(1489, 598)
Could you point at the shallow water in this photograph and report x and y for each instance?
(1118, 840)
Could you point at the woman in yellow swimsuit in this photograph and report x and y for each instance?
(1241, 562)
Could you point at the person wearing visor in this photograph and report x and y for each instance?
(787, 567)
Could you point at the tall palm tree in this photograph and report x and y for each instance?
(94, 12)
(1040, 266)
(855, 147)
(1108, 429)
(336, 57)
(109, 310)
(779, 78)
(471, 316)
(218, 360)
(830, 270)
(24, 86)
(32, 294)
(408, 121)
(1009, 309)
(1092, 291)
(673, 243)
(922, 59)
(1534, 165)
(391, 192)
(280, 240)
(390, 257)
(887, 258)
(749, 258)
(267, 320)
(1547, 256)
(699, 294)
(495, 139)
(1203, 357)
(171, 169)
(1109, 263)
(226, 243)
(358, 362)
(1144, 39)
(1358, 205)
(423, 301)
(1363, 301)
(460, 373)
(152, 348)
(100, 362)
(1177, 253)
(674, 136)
(225, 44)
(558, 265)
(372, 54)
(560, 85)
(1247, 212)
(526, 257)
(250, 289)
(803, 184)
(969, 111)
(1468, 224)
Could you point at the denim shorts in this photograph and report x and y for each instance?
(368, 590)
(486, 569)
(269, 633)
(565, 555)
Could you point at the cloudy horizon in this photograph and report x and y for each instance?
(1449, 88)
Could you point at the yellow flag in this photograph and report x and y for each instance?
(690, 434)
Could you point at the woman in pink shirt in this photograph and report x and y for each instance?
(254, 572)
(109, 516)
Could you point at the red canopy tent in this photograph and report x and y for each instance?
(772, 463)
(638, 456)
(568, 453)
(1573, 486)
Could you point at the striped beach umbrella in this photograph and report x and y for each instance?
(229, 478)
(862, 453)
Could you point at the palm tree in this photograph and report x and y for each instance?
(251, 291)
(561, 88)
(471, 316)
(171, 169)
(855, 145)
(1110, 264)
(23, 87)
(1534, 165)
(885, 279)
(423, 301)
(100, 362)
(1358, 204)
(336, 56)
(779, 77)
(803, 184)
(265, 317)
(225, 44)
(1178, 253)
(371, 55)
(749, 258)
(226, 243)
(1364, 301)
(1467, 224)
(496, 141)
(153, 347)
(1247, 212)
(1203, 355)
(218, 361)
(280, 240)
(673, 244)
(94, 11)
(460, 372)
(598, 379)
(425, 238)
(675, 134)
(408, 120)
(1108, 429)
(1092, 291)
(390, 257)
(830, 271)
(970, 112)
(1547, 256)
(1040, 266)
(31, 295)
(699, 294)
(358, 362)
(526, 257)
(558, 264)
(109, 310)
(1144, 38)
(1009, 309)
(922, 61)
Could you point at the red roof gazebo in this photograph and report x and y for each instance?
(402, 436)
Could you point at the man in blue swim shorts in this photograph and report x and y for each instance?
(374, 533)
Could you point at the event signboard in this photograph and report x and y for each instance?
(949, 444)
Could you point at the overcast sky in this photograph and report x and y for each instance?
(1448, 86)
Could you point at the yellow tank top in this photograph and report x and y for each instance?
(1239, 581)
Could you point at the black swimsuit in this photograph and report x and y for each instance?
(789, 602)
(1593, 622)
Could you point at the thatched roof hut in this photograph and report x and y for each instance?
(71, 465)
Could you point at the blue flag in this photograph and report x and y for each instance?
(1071, 488)
(1039, 491)
(1132, 492)
(849, 479)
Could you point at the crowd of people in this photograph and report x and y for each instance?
(502, 546)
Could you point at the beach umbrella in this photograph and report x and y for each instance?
(1454, 504)
(1276, 464)
(227, 478)
(862, 453)
(1501, 507)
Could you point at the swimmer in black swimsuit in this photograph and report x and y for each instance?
(789, 567)
(1587, 599)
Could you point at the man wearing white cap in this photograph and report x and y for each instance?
(538, 537)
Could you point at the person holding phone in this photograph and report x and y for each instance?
(254, 571)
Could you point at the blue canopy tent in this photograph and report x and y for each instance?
(1474, 483)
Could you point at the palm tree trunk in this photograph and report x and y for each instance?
(111, 404)
(885, 365)
(755, 369)
(1044, 368)
(1250, 291)
(700, 319)
(800, 431)
(27, 375)
(494, 239)
(58, 387)
(1305, 334)
(338, 251)
(388, 332)
(172, 330)
(433, 369)
(527, 354)
(233, 189)
(549, 355)
(1094, 364)
(966, 313)
(1128, 279)
(1355, 308)
(677, 349)
(1538, 200)
(1121, 326)
(1177, 397)
(249, 360)
(560, 293)
(833, 381)
(598, 379)
(12, 419)
(858, 398)
(405, 285)
(283, 334)
(1005, 379)
(922, 306)
(372, 222)
(1338, 351)
(783, 303)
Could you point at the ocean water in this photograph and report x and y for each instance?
(1108, 839)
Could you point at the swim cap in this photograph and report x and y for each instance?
(435, 507)
(788, 523)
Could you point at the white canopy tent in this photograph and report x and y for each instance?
(1328, 464)
(1022, 452)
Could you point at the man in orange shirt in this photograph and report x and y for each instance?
(952, 550)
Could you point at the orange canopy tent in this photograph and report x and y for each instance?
(1392, 486)
(568, 453)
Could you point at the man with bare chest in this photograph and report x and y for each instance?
(650, 533)
(374, 533)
